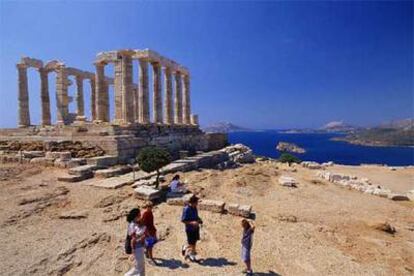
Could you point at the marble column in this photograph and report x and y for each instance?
(156, 96)
(101, 100)
(23, 97)
(143, 99)
(127, 90)
(178, 105)
(44, 96)
(118, 91)
(62, 99)
(194, 119)
(80, 113)
(168, 107)
(93, 99)
(186, 100)
(135, 100)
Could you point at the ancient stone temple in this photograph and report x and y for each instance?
(131, 104)
(166, 121)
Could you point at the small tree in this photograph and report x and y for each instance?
(153, 159)
(288, 158)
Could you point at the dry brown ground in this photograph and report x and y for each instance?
(333, 234)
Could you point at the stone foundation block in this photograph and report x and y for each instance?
(178, 200)
(82, 170)
(103, 161)
(147, 193)
(75, 178)
(215, 206)
(42, 161)
(239, 210)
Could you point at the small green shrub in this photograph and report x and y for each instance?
(153, 159)
(288, 158)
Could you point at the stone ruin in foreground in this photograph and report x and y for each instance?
(170, 124)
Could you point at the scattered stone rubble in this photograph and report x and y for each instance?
(216, 206)
(363, 185)
(239, 153)
(288, 181)
(315, 165)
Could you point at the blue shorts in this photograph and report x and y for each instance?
(150, 242)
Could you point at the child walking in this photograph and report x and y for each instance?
(247, 242)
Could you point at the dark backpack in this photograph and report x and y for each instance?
(128, 247)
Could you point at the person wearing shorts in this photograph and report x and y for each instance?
(192, 228)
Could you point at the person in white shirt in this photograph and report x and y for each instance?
(137, 232)
(176, 186)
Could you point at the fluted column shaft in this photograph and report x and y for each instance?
(102, 107)
(143, 98)
(80, 114)
(168, 106)
(44, 97)
(136, 105)
(93, 99)
(127, 90)
(23, 97)
(156, 96)
(186, 100)
(62, 95)
(178, 105)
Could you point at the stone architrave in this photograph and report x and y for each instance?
(186, 100)
(80, 114)
(93, 99)
(143, 99)
(156, 96)
(62, 99)
(44, 96)
(24, 114)
(178, 105)
(168, 104)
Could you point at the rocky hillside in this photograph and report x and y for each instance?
(224, 127)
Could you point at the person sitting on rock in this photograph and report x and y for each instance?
(192, 228)
(176, 186)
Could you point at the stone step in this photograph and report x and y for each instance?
(103, 161)
(111, 172)
(239, 210)
(75, 178)
(82, 170)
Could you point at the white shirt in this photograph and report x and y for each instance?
(174, 185)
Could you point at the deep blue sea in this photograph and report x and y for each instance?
(320, 148)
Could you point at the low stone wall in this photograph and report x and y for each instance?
(121, 141)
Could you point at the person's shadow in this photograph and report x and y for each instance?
(269, 273)
(215, 262)
(171, 263)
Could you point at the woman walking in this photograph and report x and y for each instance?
(136, 236)
(151, 239)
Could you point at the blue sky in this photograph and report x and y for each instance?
(258, 64)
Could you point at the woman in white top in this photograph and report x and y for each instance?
(137, 232)
(176, 186)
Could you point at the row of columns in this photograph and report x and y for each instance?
(132, 105)
(62, 99)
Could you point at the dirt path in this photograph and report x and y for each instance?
(316, 229)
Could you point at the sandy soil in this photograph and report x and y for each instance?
(315, 229)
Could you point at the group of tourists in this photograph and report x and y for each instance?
(142, 234)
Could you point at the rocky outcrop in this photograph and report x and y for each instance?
(239, 153)
(289, 147)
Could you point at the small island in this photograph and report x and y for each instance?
(289, 147)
